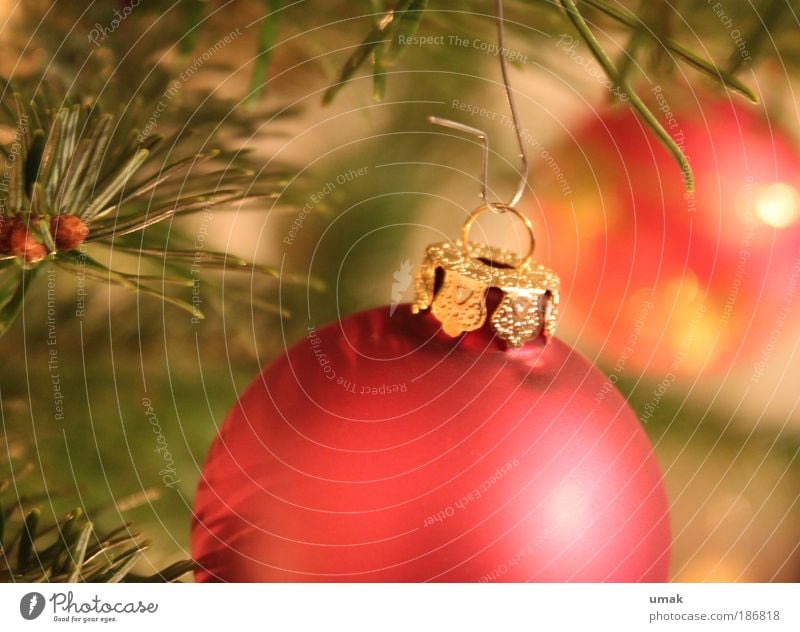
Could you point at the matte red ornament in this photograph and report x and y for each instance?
(379, 449)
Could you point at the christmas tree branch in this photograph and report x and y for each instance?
(391, 30)
(71, 548)
(266, 40)
(75, 183)
(707, 67)
(13, 298)
(637, 104)
(384, 43)
(759, 32)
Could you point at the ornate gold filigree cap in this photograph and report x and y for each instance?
(455, 278)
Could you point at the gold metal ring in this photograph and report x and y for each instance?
(502, 207)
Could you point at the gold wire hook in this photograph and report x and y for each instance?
(497, 206)
(483, 137)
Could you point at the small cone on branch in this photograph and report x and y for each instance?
(24, 243)
(69, 231)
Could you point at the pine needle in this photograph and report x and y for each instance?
(637, 104)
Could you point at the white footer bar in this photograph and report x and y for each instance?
(401, 607)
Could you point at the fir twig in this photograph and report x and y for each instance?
(266, 41)
(638, 105)
(74, 185)
(404, 14)
(759, 33)
(683, 53)
(70, 549)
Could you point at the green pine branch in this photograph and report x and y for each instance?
(71, 548)
(383, 45)
(74, 184)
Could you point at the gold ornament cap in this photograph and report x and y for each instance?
(455, 278)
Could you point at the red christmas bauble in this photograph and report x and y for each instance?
(656, 279)
(378, 449)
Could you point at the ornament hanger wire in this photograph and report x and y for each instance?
(483, 137)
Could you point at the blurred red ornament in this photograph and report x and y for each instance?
(659, 279)
(378, 449)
